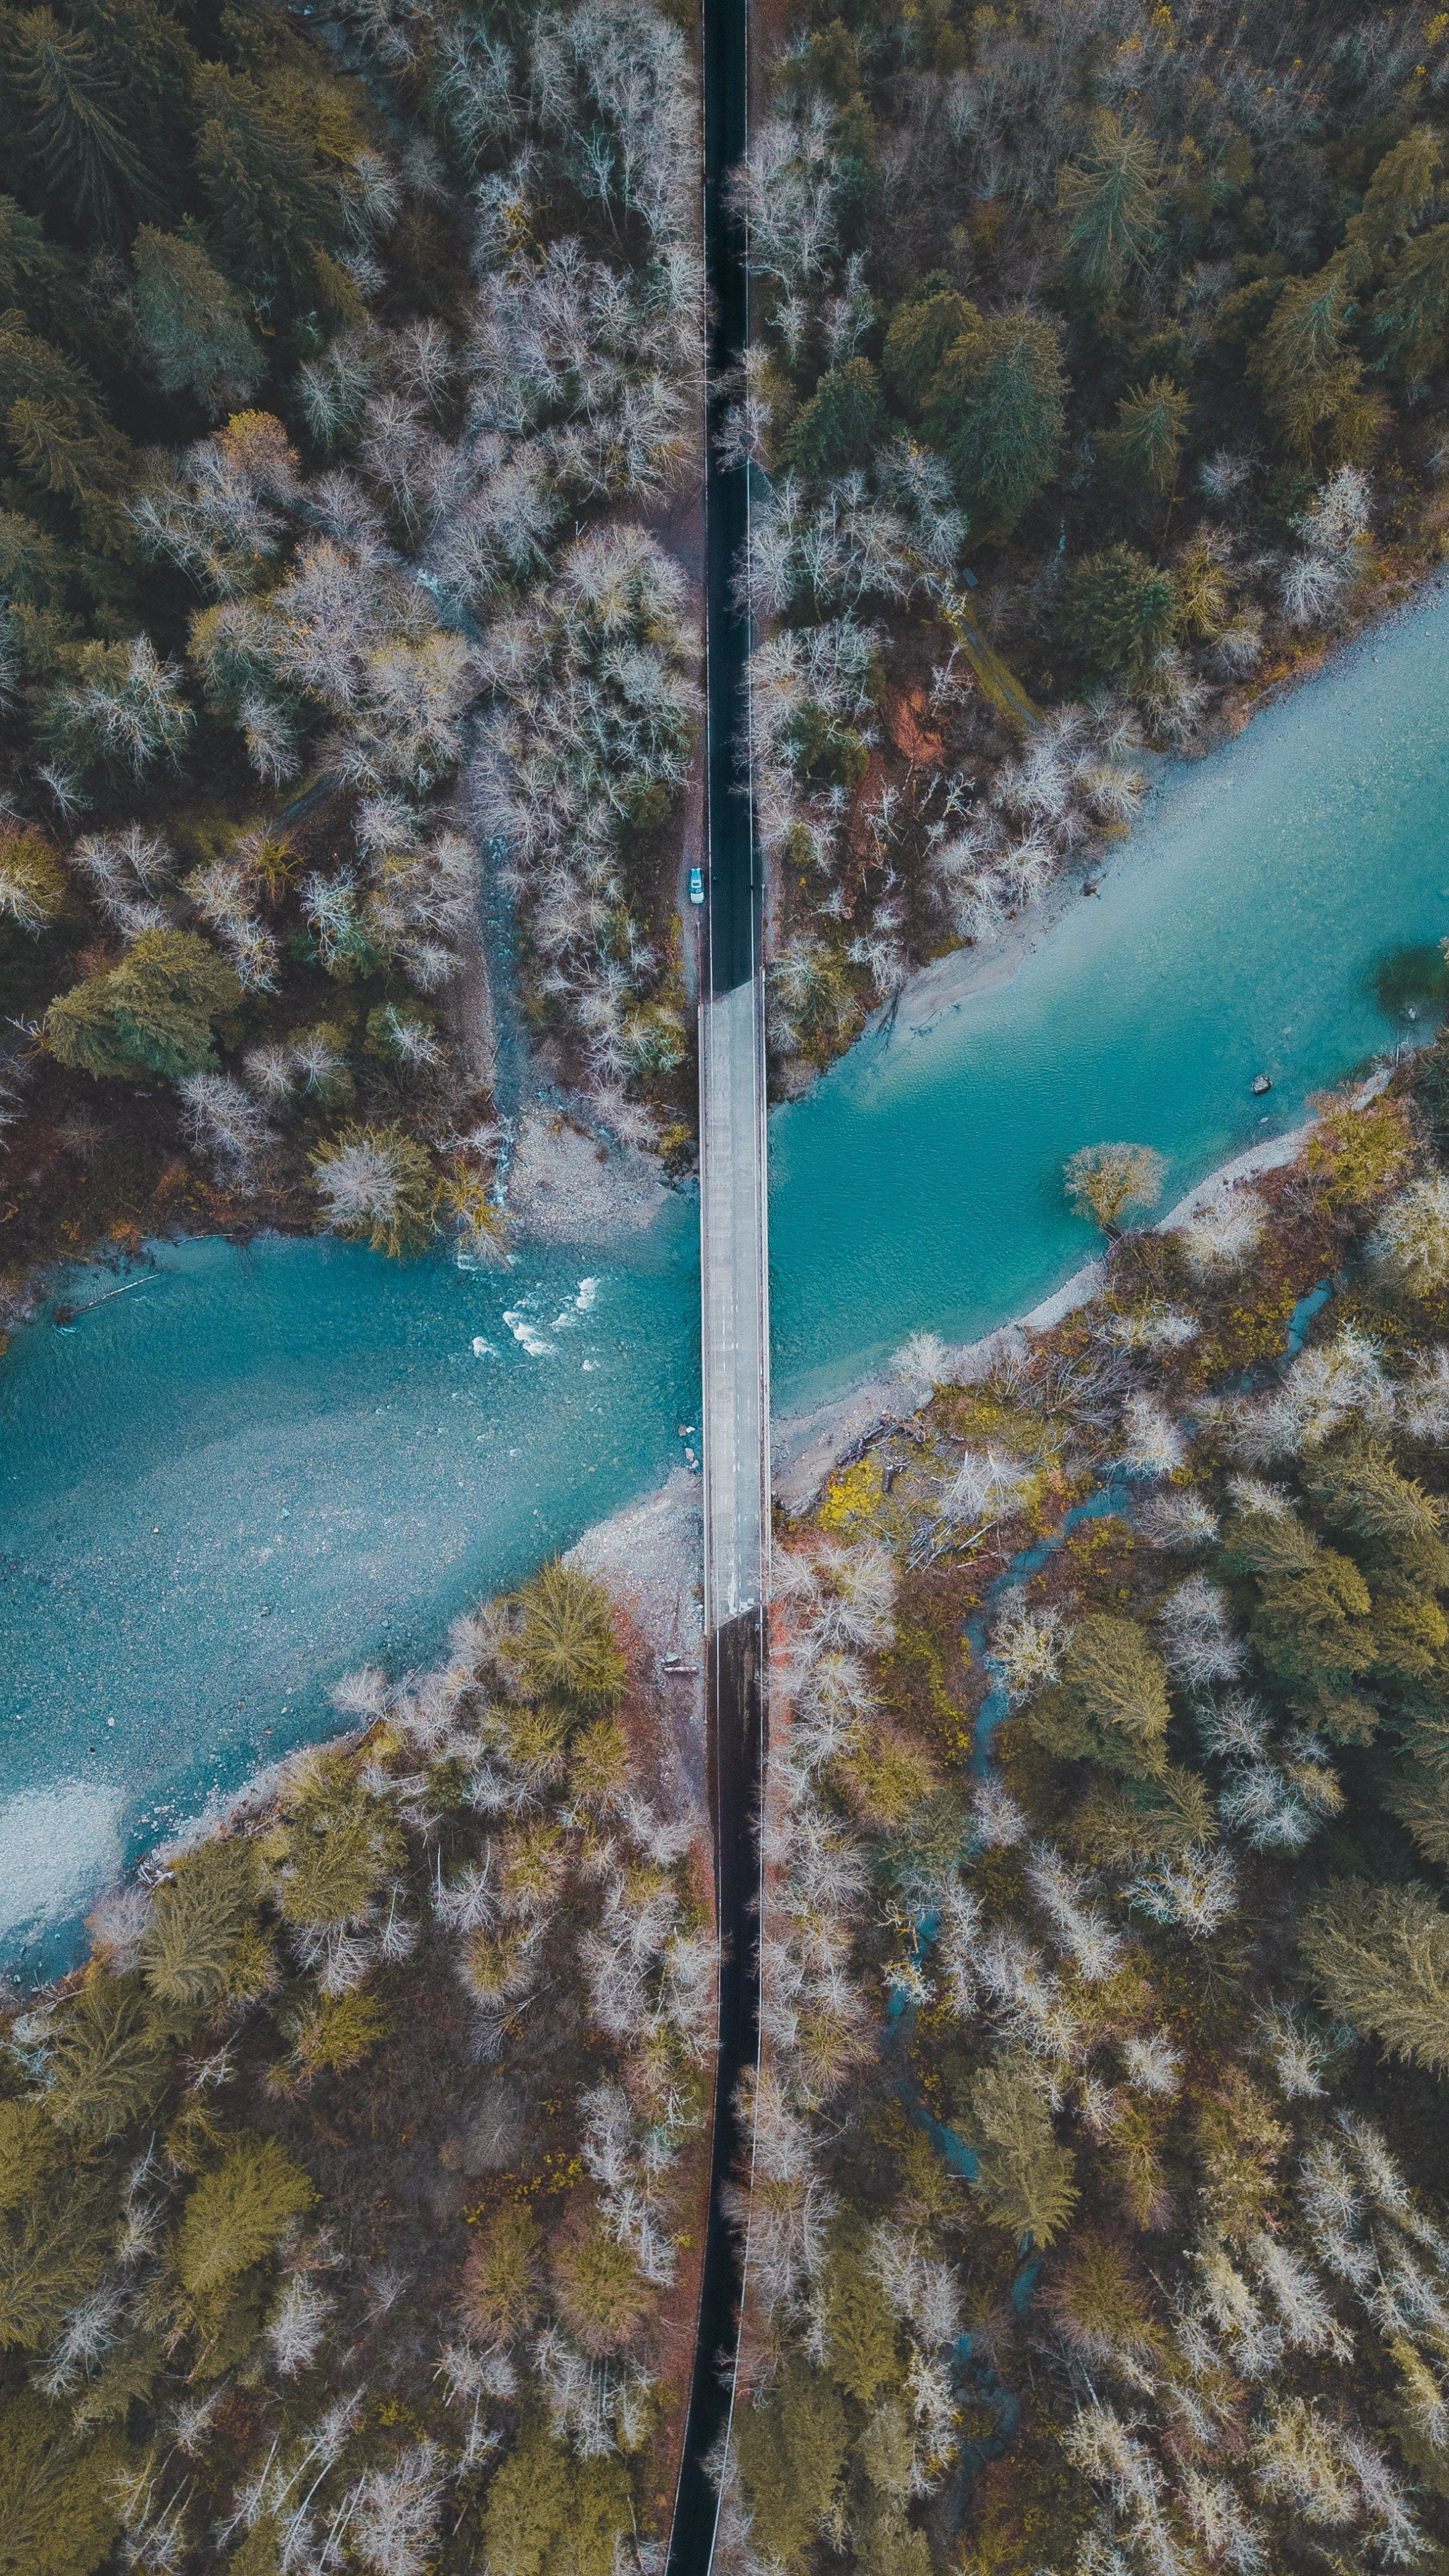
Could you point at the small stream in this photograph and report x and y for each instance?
(978, 2379)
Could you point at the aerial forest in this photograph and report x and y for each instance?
(1097, 380)
(353, 2188)
(350, 373)
(1097, 2219)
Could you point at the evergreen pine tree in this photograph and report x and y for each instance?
(1141, 453)
(842, 425)
(501, 2279)
(550, 2514)
(54, 420)
(1409, 317)
(152, 1014)
(336, 1849)
(196, 1922)
(338, 2032)
(1402, 186)
(94, 169)
(567, 1646)
(53, 2250)
(1379, 1958)
(1358, 1487)
(886, 2451)
(922, 329)
(1311, 1628)
(236, 2213)
(59, 2513)
(862, 2347)
(1100, 2304)
(269, 205)
(886, 2545)
(529, 2503)
(829, 64)
(1309, 372)
(791, 2457)
(1420, 1800)
(1023, 2179)
(1148, 1817)
(1110, 1703)
(996, 409)
(109, 2061)
(33, 564)
(38, 279)
(192, 323)
(885, 2461)
(30, 2149)
(1110, 198)
(1117, 613)
(601, 2292)
(855, 189)
(56, 457)
(1201, 600)
(55, 2225)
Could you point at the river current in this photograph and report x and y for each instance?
(255, 1469)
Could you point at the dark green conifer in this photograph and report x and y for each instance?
(37, 278)
(567, 1646)
(1109, 1703)
(196, 1922)
(109, 2061)
(192, 323)
(55, 420)
(857, 174)
(1110, 197)
(1409, 317)
(842, 425)
(94, 167)
(55, 2225)
(1311, 374)
(1117, 613)
(59, 2509)
(269, 205)
(1141, 453)
(791, 2457)
(236, 2213)
(996, 409)
(550, 2514)
(1378, 1956)
(922, 329)
(336, 1849)
(862, 2345)
(1023, 2179)
(153, 1014)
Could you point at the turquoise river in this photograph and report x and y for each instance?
(253, 1469)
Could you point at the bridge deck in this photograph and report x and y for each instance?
(735, 1304)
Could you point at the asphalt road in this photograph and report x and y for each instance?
(733, 925)
(734, 1270)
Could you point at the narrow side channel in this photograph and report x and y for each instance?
(734, 1297)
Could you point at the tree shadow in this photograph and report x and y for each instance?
(1411, 983)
